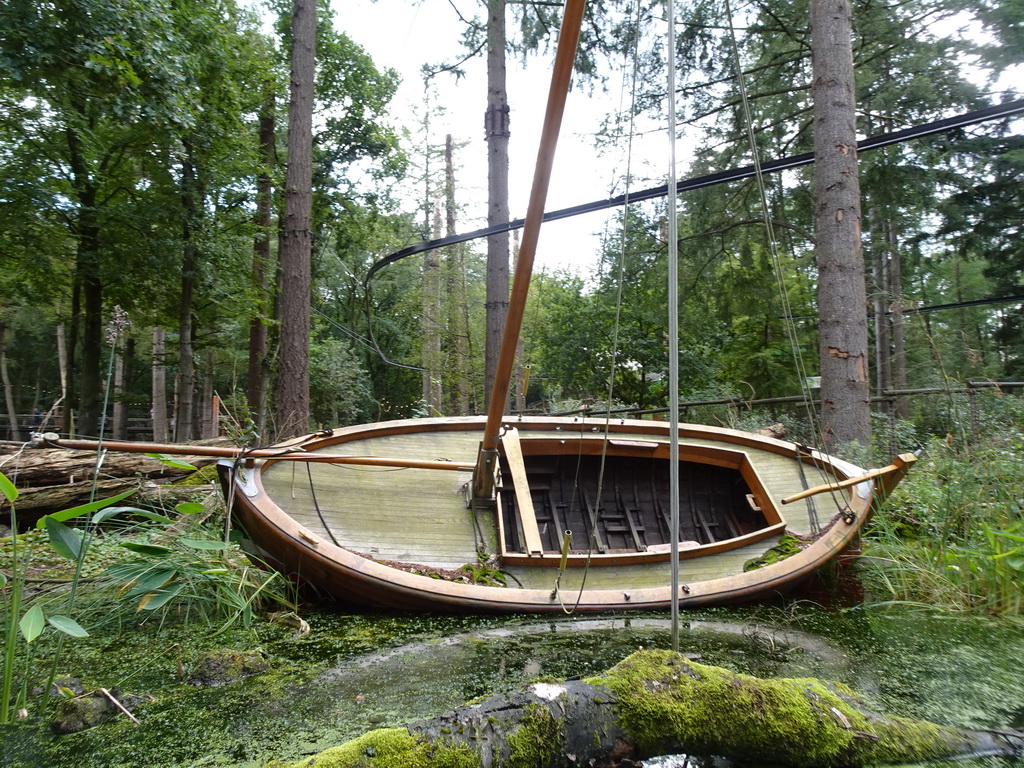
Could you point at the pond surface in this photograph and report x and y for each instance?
(356, 672)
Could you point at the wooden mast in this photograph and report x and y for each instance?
(565, 56)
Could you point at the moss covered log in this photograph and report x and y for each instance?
(658, 702)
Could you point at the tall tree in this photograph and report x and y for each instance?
(842, 298)
(496, 127)
(431, 321)
(457, 348)
(292, 386)
(256, 378)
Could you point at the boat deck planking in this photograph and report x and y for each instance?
(434, 505)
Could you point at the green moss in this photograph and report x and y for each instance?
(663, 697)
(390, 748)
(537, 739)
(227, 665)
(787, 546)
(202, 476)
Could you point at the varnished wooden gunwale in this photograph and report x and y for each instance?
(348, 576)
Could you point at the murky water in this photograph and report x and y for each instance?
(357, 672)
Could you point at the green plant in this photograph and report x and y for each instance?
(184, 567)
(33, 621)
(483, 572)
(952, 534)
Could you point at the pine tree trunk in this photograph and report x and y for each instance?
(159, 390)
(881, 302)
(496, 127)
(431, 323)
(256, 373)
(208, 420)
(456, 370)
(69, 417)
(292, 412)
(842, 299)
(62, 364)
(90, 285)
(899, 349)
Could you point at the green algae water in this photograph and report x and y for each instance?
(356, 672)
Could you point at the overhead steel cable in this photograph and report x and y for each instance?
(721, 177)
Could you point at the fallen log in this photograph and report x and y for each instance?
(48, 467)
(50, 480)
(657, 703)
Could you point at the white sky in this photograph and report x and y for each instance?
(404, 36)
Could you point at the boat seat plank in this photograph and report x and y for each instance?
(524, 499)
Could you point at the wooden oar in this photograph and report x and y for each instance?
(900, 465)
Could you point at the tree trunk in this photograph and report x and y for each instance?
(159, 412)
(431, 323)
(882, 299)
(256, 388)
(123, 365)
(292, 412)
(13, 432)
(62, 364)
(899, 350)
(842, 299)
(659, 703)
(89, 282)
(184, 416)
(457, 368)
(496, 131)
(68, 417)
(208, 421)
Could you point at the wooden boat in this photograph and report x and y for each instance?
(544, 514)
(375, 533)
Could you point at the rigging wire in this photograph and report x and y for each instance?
(345, 330)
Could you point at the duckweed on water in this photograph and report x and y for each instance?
(355, 673)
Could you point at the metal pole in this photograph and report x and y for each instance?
(673, 324)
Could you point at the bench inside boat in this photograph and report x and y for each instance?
(614, 497)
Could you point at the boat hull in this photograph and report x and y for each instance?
(314, 528)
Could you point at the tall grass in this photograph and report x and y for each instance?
(952, 534)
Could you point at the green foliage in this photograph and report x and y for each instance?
(339, 387)
(182, 567)
(147, 560)
(952, 534)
